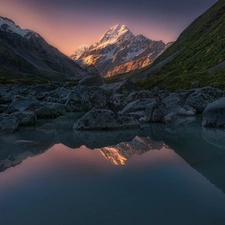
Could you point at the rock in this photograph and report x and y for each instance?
(60, 95)
(158, 113)
(172, 107)
(214, 114)
(201, 97)
(3, 91)
(105, 119)
(8, 123)
(142, 109)
(138, 105)
(20, 105)
(117, 102)
(98, 97)
(8, 98)
(3, 108)
(139, 95)
(26, 118)
(122, 87)
(159, 93)
(78, 100)
(47, 110)
(94, 78)
(40, 88)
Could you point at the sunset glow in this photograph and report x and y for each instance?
(69, 24)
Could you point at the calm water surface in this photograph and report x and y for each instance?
(156, 175)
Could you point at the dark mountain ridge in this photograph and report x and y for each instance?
(24, 54)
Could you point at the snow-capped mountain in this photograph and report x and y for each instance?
(119, 51)
(25, 54)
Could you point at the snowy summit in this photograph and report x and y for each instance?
(119, 51)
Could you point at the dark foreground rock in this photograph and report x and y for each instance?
(108, 106)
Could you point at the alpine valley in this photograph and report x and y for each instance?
(125, 131)
(119, 51)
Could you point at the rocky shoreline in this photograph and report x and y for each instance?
(106, 106)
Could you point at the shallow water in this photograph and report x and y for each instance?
(155, 175)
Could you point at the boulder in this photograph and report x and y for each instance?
(3, 108)
(105, 119)
(8, 123)
(123, 87)
(26, 118)
(47, 110)
(139, 95)
(117, 102)
(20, 105)
(78, 100)
(98, 97)
(201, 97)
(214, 114)
(172, 107)
(142, 109)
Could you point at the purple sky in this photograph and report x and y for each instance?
(67, 24)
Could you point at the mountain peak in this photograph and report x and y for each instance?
(119, 51)
(9, 26)
(7, 19)
(114, 34)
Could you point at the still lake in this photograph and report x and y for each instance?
(158, 175)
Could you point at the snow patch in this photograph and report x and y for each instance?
(79, 51)
(131, 55)
(12, 27)
(118, 33)
(110, 55)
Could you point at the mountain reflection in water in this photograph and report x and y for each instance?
(178, 168)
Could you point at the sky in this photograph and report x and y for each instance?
(67, 24)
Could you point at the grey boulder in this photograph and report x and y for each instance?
(214, 114)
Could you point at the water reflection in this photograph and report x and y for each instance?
(203, 149)
(164, 175)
